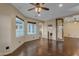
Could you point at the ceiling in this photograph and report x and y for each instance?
(54, 12)
(71, 18)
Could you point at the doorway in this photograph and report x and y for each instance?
(59, 29)
(50, 33)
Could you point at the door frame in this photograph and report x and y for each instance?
(57, 28)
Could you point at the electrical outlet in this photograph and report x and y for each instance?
(7, 47)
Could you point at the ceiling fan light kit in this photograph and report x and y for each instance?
(38, 9)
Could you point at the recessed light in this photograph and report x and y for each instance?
(60, 5)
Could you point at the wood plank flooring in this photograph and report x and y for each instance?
(44, 47)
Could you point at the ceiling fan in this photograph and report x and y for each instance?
(38, 7)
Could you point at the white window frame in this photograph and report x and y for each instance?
(19, 33)
(31, 28)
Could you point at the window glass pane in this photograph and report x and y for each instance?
(35, 28)
(19, 27)
(31, 28)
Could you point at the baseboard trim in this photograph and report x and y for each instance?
(71, 37)
(7, 53)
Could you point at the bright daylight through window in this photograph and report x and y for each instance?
(31, 28)
(19, 27)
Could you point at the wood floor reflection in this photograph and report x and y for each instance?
(44, 47)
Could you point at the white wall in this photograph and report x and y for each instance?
(71, 30)
(8, 29)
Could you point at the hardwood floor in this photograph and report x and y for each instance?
(71, 46)
(44, 47)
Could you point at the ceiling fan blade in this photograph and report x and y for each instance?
(43, 3)
(31, 9)
(45, 8)
(33, 4)
(36, 4)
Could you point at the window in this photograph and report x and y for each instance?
(31, 28)
(19, 27)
